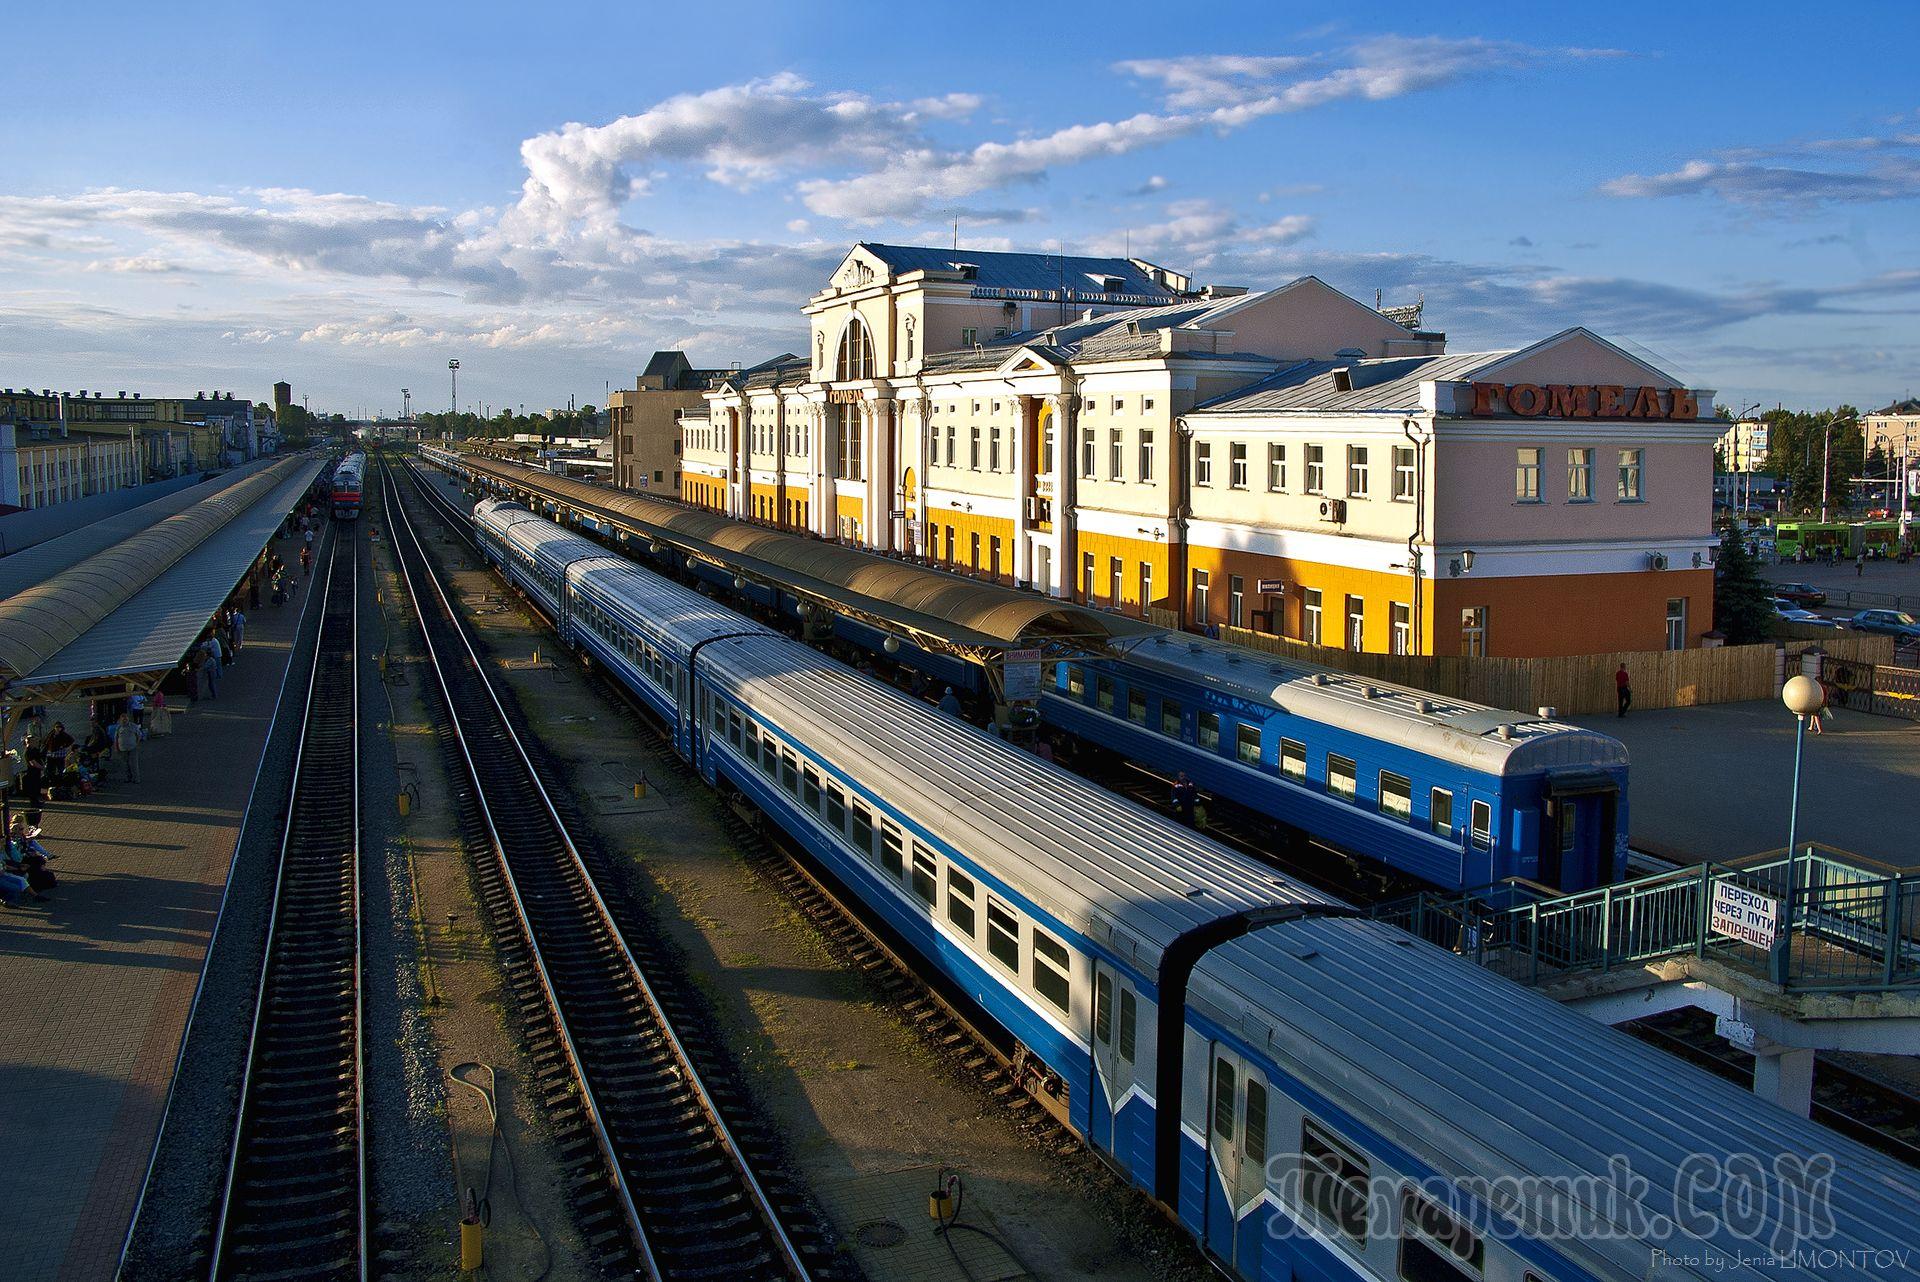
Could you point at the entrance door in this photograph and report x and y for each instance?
(1236, 1158)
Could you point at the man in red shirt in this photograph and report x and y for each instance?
(1625, 685)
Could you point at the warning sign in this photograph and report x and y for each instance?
(1745, 915)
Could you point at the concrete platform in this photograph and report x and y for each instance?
(1713, 782)
(101, 978)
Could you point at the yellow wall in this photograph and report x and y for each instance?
(1377, 589)
(1132, 552)
(707, 491)
(964, 526)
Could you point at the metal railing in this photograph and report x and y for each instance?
(1818, 922)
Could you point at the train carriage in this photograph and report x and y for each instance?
(345, 485)
(1311, 1095)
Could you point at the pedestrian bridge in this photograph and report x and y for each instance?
(1819, 950)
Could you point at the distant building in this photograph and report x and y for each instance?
(1895, 429)
(58, 446)
(282, 400)
(1744, 446)
(644, 424)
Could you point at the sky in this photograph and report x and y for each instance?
(213, 196)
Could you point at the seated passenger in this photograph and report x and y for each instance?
(27, 858)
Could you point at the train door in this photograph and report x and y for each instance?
(1119, 1112)
(1236, 1158)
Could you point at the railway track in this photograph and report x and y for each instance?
(681, 1197)
(294, 1201)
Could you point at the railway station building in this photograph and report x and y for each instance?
(1291, 460)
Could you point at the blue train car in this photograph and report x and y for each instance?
(1310, 1094)
(1455, 794)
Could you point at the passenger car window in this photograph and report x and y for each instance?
(1293, 758)
(1247, 744)
(1440, 812)
(1051, 969)
(1396, 796)
(1223, 1099)
(1103, 1009)
(1104, 688)
(1003, 935)
(1136, 707)
(926, 874)
(1333, 1181)
(1482, 824)
(1341, 779)
(893, 852)
(863, 829)
(1209, 731)
(960, 900)
(1435, 1247)
(1170, 718)
(1076, 680)
(1129, 1024)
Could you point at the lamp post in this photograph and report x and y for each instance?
(1804, 697)
(1826, 461)
(453, 380)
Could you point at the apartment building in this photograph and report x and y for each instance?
(1549, 500)
(58, 446)
(643, 421)
(1109, 431)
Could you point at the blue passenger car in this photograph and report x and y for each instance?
(1455, 794)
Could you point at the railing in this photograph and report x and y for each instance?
(1816, 923)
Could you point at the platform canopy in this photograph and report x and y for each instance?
(127, 614)
(935, 608)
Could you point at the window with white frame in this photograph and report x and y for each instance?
(1357, 471)
(1403, 473)
(1052, 969)
(993, 449)
(1631, 463)
(1003, 935)
(1203, 463)
(1316, 469)
(1237, 465)
(1276, 466)
(1146, 454)
(1473, 630)
(1087, 448)
(973, 447)
(1400, 615)
(1310, 616)
(1526, 474)
(1115, 450)
(1579, 476)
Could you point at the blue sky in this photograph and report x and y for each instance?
(217, 196)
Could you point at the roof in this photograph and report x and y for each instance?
(662, 364)
(918, 599)
(1382, 385)
(1902, 409)
(1478, 1079)
(43, 620)
(1079, 852)
(150, 629)
(1447, 729)
(1038, 273)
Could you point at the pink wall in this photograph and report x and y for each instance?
(1474, 491)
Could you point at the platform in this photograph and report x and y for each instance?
(100, 979)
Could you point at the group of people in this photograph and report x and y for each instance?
(58, 766)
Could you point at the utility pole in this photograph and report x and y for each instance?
(1826, 462)
(406, 405)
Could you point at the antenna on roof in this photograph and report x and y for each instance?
(1377, 300)
(956, 235)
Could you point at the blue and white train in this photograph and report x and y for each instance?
(1312, 1094)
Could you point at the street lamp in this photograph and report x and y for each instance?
(1804, 697)
(453, 378)
(1826, 460)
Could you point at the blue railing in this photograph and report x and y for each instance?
(1820, 922)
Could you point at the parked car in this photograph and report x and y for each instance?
(1788, 612)
(1889, 623)
(1801, 594)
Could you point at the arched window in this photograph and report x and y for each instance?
(856, 352)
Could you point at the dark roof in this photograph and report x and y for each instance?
(1389, 385)
(665, 364)
(1113, 335)
(1902, 408)
(1037, 274)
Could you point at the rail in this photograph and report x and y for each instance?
(1817, 921)
(688, 1195)
(294, 1199)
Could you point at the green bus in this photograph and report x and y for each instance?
(1818, 539)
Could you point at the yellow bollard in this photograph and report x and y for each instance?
(536, 656)
(473, 1236)
(405, 803)
(639, 789)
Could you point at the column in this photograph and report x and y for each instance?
(1784, 1074)
(826, 466)
(920, 541)
(9, 466)
(876, 439)
(1023, 465)
(1066, 496)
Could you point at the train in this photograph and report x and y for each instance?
(345, 485)
(1308, 1092)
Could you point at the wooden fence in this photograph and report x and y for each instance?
(1583, 684)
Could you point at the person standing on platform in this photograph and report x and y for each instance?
(1623, 683)
(59, 748)
(306, 561)
(1185, 798)
(238, 623)
(126, 742)
(950, 703)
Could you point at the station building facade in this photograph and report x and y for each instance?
(1291, 460)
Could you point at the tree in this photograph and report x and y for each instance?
(1742, 600)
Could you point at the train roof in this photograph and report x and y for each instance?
(1103, 865)
(666, 612)
(1475, 1076)
(1483, 738)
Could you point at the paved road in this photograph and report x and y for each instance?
(1874, 586)
(1713, 782)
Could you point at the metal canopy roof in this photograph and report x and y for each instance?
(929, 603)
(37, 564)
(160, 603)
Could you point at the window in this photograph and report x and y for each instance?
(1170, 718)
(952, 458)
(1356, 471)
(993, 558)
(969, 337)
(1341, 778)
(1236, 601)
(893, 851)
(1115, 452)
(1403, 473)
(771, 759)
(1316, 469)
(1103, 1009)
(1119, 404)
(1104, 693)
(1146, 585)
(1146, 404)
(1209, 731)
(1579, 476)
(1116, 580)
(1136, 707)
(1526, 474)
(1473, 631)
(1254, 1145)
(1086, 576)
(973, 550)
(1086, 453)
(836, 808)
(993, 448)
(810, 789)
(1400, 616)
(1276, 467)
(1482, 830)
(1676, 623)
(960, 901)
(790, 773)
(1333, 1182)
(1200, 597)
(1396, 796)
(1310, 616)
(926, 874)
(1630, 466)
(1223, 1080)
(1051, 969)
(1237, 465)
(1293, 758)
(1003, 935)
(863, 830)
(1440, 813)
(1246, 741)
(1129, 1024)
(1146, 454)
(1435, 1247)
(1356, 624)
(1203, 463)
(1076, 680)
(973, 447)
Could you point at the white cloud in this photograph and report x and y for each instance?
(1791, 176)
